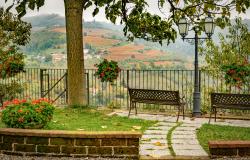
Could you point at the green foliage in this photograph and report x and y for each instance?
(9, 91)
(23, 114)
(140, 23)
(13, 32)
(107, 71)
(12, 62)
(237, 75)
(44, 40)
(233, 49)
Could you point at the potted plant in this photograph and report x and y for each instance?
(107, 71)
(237, 74)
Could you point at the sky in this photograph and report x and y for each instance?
(57, 7)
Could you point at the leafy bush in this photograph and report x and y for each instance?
(27, 114)
(10, 91)
(108, 71)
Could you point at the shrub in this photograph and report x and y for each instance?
(9, 91)
(27, 114)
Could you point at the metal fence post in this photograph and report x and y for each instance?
(41, 82)
(66, 86)
(127, 89)
(87, 74)
(49, 89)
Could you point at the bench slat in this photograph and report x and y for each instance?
(230, 99)
(155, 96)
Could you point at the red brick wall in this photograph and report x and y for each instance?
(26, 142)
(229, 148)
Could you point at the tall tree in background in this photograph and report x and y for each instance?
(233, 48)
(138, 22)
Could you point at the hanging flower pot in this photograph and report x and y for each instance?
(236, 74)
(107, 71)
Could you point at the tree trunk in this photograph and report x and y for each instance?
(75, 57)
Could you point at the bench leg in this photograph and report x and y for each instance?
(215, 112)
(179, 109)
(130, 107)
(135, 109)
(211, 111)
(183, 111)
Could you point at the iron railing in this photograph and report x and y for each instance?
(52, 83)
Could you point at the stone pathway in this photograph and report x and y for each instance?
(154, 141)
(184, 141)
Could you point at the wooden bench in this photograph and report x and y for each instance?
(221, 148)
(229, 101)
(161, 97)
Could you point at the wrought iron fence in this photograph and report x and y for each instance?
(52, 83)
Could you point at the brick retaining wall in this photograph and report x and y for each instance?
(229, 148)
(26, 142)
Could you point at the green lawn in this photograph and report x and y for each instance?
(93, 120)
(217, 132)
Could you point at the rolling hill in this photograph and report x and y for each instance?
(107, 41)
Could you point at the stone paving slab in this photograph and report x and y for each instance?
(160, 128)
(166, 124)
(187, 152)
(184, 133)
(154, 136)
(185, 141)
(156, 132)
(186, 128)
(181, 136)
(151, 147)
(186, 146)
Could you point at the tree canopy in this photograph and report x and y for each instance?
(13, 32)
(140, 23)
(232, 49)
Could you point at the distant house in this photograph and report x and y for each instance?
(101, 52)
(87, 56)
(86, 51)
(57, 57)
